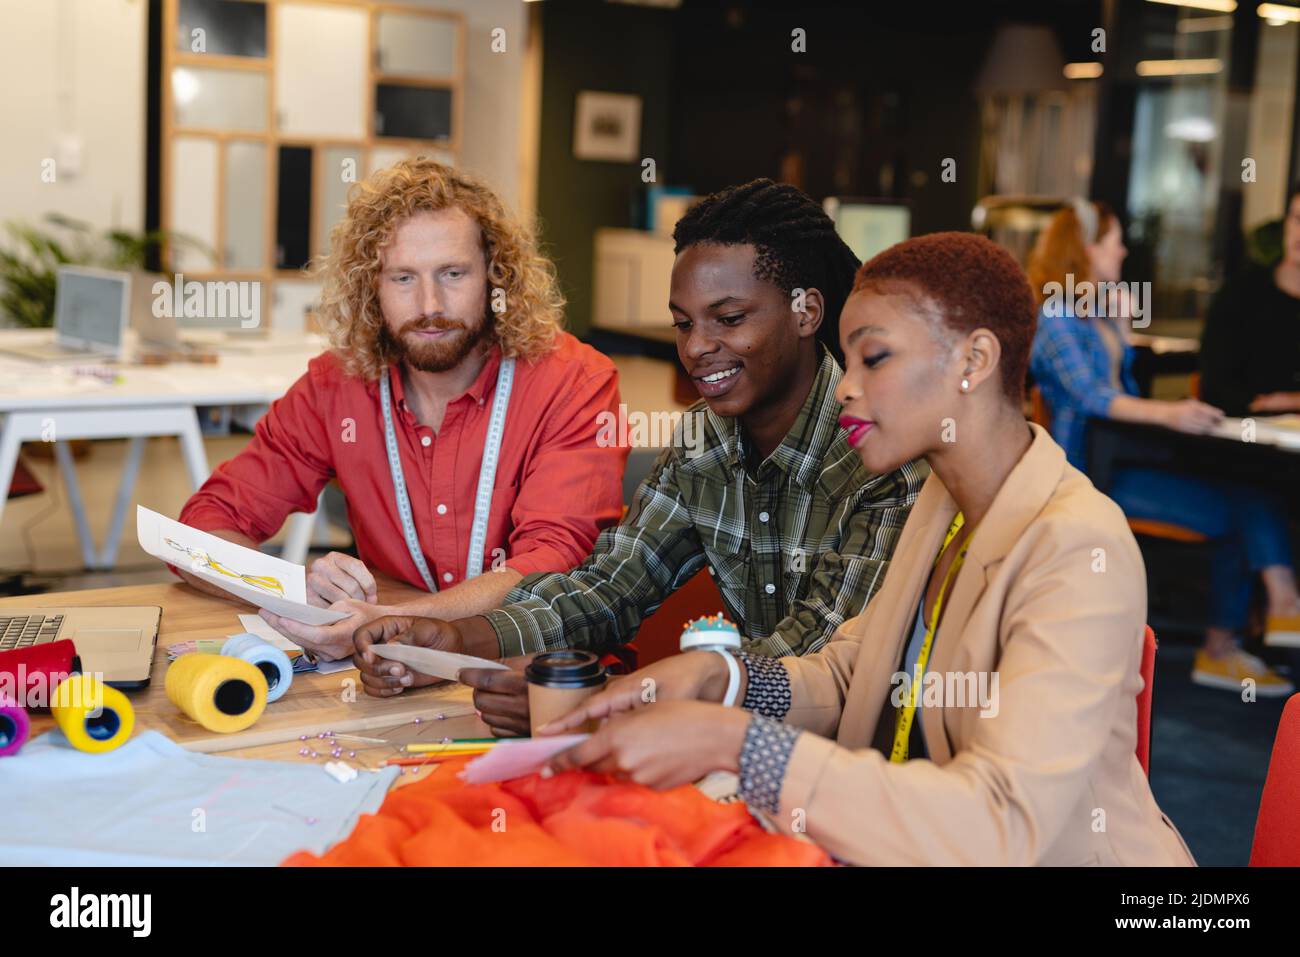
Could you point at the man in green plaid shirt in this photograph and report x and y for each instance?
(795, 547)
(760, 483)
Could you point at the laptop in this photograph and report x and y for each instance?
(91, 309)
(166, 333)
(154, 332)
(116, 642)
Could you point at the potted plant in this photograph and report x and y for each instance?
(30, 261)
(29, 266)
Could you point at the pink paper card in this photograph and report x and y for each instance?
(514, 759)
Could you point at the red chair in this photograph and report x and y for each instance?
(1039, 413)
(1277, 829)
(24, 482)
(1148, 670)
(660, 634)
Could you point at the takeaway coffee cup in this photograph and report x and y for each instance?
(559, 681)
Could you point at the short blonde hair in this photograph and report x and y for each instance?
(349, 304)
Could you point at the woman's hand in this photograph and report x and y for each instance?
(690, 676)
(672, 743)
(329, 642)
(383, 677)
(1191, 415)
(1276, 402)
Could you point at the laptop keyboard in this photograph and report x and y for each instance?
(23, 631)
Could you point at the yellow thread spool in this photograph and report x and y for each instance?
(221, 693)
(91, 715)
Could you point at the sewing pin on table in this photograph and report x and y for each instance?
(306, 818)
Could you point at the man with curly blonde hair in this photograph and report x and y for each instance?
(458, 417)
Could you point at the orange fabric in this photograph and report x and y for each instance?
(573, 819)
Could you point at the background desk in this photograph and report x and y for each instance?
(1178, 574)
(1115, 445)
(314, 702)
(44, 401)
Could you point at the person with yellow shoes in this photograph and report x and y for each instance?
(1082, 362)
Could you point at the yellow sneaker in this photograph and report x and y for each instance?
(1235, 667)
(1283, 631)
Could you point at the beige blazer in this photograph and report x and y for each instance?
(1052, 600)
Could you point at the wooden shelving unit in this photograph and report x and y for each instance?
(313, 75)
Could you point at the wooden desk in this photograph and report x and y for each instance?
(314, 702)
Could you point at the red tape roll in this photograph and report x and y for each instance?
(28, 676)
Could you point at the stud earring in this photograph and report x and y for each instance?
(965, 385)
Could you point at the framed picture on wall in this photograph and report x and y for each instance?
(607, 126)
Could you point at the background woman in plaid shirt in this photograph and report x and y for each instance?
(1082, 364)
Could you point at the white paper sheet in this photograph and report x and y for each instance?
(514, 759)
(258, 626)
(285, 591)
(429, 661)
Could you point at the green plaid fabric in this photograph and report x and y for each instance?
(795, 547)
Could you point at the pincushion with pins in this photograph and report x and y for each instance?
(711, 631)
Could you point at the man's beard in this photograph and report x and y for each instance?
(437, 356)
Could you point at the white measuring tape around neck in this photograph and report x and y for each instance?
(487, 474)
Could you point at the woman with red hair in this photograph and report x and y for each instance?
(1082, 364)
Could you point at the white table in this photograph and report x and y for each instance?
(51, 402)
(1165, 345)
(1280, 431)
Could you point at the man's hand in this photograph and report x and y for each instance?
(501, 697)
(338, 576)
(671, 743)
(384, 678)
(330, 642)
(1276, 402)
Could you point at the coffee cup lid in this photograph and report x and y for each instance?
(565, 669)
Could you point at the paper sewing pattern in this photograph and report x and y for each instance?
(207, 552)
(202, 561)
(430, 661)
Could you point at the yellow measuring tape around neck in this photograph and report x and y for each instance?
(907, 710)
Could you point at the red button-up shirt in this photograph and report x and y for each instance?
(556, 487)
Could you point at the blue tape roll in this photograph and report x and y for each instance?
(270, 660)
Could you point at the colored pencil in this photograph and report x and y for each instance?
(467, 748)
